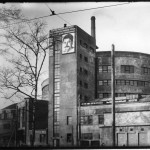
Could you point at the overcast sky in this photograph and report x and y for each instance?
(127, 26)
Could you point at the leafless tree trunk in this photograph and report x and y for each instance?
(25, 48)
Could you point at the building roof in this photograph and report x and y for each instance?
(119, 100)
(122, 53)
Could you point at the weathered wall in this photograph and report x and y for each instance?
(82, 38)
(138, 60)
(132, 123)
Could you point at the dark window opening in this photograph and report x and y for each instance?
(127, 69)
(85, 59)
(101, 119)
(69, 138)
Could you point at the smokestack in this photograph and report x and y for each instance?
(93, 27)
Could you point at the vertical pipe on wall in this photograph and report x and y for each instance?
(113, 93)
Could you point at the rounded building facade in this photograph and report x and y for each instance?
(132, 73)
(45, 89)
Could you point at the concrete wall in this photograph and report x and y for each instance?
(82, 38)
(138, 60)
(132, 123)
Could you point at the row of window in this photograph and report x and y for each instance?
(85, 98)
(125, 82)
(83, 71)
(85, 85)
(85, 58)
(8, 114)
(108, 95)
(145, 70)
(88, 120)
(124, 69)
(85, 45)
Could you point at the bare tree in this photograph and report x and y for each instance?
(25, 47)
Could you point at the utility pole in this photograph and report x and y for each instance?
(113, 92)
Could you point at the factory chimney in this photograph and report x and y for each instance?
(93, 27)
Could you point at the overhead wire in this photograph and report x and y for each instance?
(54, 14)
(57, 15)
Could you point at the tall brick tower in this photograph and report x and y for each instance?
(71, 81)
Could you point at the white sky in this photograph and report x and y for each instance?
(126, 26)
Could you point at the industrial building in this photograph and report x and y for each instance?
(78, 90)
(16, 124)
(8, 126)
(132, 123)
(25, 120)
(131, 73)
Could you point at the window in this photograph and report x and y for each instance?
(86, 120)
(122, 82)
(120, 94)
(101, 119)
(57, 72)
(85, 72)
(87, 136)
(100, 69)
(69, 137)
(100, 82)
(85, 85)
(80, 42)
(105, 82)
(57, 86)
(56, 116)
(80, 56)
(57, 57)
(127, 69)
(95, 143)
(118, 82)
(105, 68)
(106, 95)
(85, 98)
(80, 96)
(81, 83)
(145, 70)
(135, 83)
(6, 126)
(80, 69)
(42, 138)
(92, 49)
(69, 120)
(100, 95)
(57, 101)
(131, 83)
(85, 45)
(56, 131)
(146, 83)
(85, 59)
(127, 82)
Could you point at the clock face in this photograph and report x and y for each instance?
(68, 43)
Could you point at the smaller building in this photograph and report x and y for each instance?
(132, 122)
(8, 126)
(25, 120)
(16, 124)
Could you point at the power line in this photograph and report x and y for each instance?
(57, 15)
(53, 14)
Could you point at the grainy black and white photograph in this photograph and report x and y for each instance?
(75, 75)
